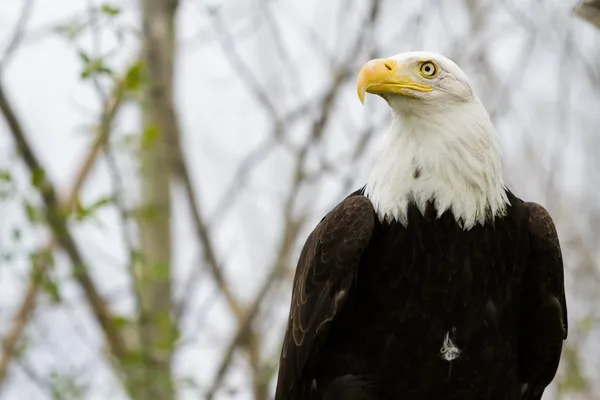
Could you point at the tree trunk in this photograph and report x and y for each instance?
(153, 271)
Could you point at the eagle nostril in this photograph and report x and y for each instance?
(388, 66)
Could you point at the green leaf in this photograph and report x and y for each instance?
(133, 77)
(120, 322)
(109, 10)
(51, 288)
(137, 256)
(67, 385)
(101, 202)
(84, 57)
(95, 66)
(150, 136)
(34, 214)
(5, 175)
(38, 177)
(43, 259)
(82, 212)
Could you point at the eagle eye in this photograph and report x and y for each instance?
(428, 69)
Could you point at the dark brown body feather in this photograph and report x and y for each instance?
(372, 303)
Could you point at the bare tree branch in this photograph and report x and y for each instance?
(62, 236)
(243, 70)
(244, 334)
(276, 36)
(292, 226)
(182, 171)
(18, 33)
(253, 159)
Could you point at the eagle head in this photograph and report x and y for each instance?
(441, 147)
(404, 78)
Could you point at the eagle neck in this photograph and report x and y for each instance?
(449, 158)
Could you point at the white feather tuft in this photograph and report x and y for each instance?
(449, 351)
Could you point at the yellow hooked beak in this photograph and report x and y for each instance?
(385, 75)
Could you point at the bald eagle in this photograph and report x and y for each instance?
(433, 281)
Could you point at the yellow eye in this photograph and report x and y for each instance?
(428, 69)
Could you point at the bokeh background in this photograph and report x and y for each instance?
(162, 162)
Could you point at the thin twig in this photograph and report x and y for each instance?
(18, 33)
(182, 172)
(243, 70)
(242, 334)
(291, 72)
(40, 383)
(253, 159)
(96, 44)
(292, 226)
(24, 311)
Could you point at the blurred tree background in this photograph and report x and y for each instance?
(162, 161)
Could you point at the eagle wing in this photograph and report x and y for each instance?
(544, 323)
(326, 269)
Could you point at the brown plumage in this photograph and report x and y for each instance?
(374, 303)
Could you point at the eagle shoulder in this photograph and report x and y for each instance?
(541, 226)
(544, 315)
(326, 269)
(547, 252)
